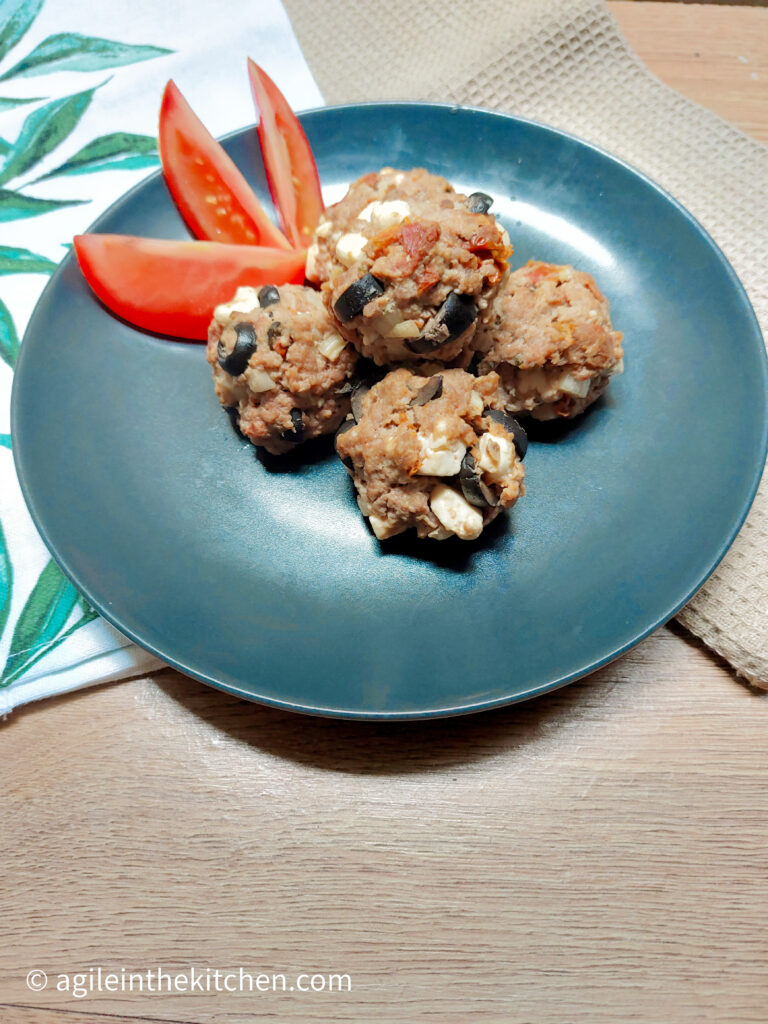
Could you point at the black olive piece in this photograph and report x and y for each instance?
(268, 295)
(455, 316)
(512, 427)
(479, 202)
(354, 299)
(245, 346)
(369, 371)
(473, 487)
(431, 390)
(345, 426)
(274, 331)
(297, 431)
(365, 372)
(233, 411)
(358, 394)
(474, 363)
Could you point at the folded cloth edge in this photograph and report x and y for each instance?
(568, 64)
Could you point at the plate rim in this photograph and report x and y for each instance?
(455, 710)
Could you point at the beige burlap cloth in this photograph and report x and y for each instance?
(564, 62)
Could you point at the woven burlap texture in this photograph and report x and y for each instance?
(565, 63)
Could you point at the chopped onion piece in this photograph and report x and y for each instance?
(259, 380)
(405, 329)
(331, 346)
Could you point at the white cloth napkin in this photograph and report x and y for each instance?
(50, 641)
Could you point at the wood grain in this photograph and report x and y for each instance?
(597, 855)
(600, 854)
(717, 56)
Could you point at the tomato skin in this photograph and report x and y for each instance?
(212, 195)
(288, 160)
(172, 287)
(537, 270)
(418, 239)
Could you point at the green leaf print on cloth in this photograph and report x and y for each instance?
(22, 261)
(15, 206)
(53, 609)
(118, 151)
(40, 627)
(15, 18)
(6, 582)
(69, 51)
(7, 103)
(9, 339)
(42, 132)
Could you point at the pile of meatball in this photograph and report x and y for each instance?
(415, 345)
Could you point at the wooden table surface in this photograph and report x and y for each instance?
(597, 855)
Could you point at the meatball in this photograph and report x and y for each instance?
(406, 266)
(279, 361)
(435, 453)
(548, 334)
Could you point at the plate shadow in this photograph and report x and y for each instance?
(395, 748)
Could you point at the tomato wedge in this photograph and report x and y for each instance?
(288, 160)
(172, 287)
(213, 196)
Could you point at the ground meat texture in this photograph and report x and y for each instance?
(281, 365)
(548, 334)
(425, 453)
(407, 267)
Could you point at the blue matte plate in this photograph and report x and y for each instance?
(260, 576)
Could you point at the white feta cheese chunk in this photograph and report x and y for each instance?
(505, 237)
(324, 228)
(617, 368)
(476, 404)
(259, 380)
(440, 456)
(245, 299)
(311, 268)
(454, 512)
(440, 461)
(385, 213)
(496, 456)
(389, 213)
(349, 248)
(440, 533)
(572, 386)
(331, 346)
(380, 528)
